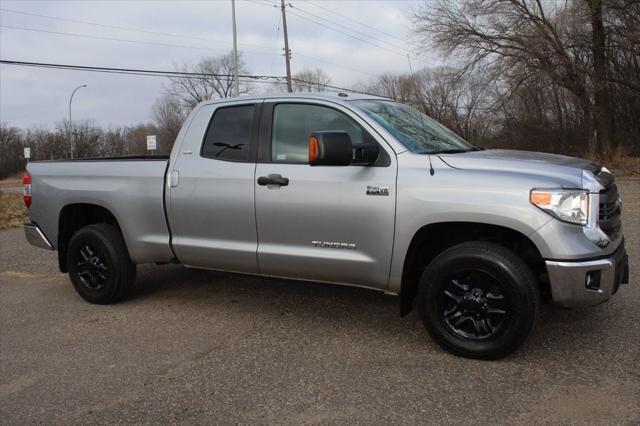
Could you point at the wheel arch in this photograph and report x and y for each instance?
(431, 240)
(75, 216)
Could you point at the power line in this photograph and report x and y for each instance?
(276, 45)
(329, 86)
(327, 26)
(116, 27)
(88, 36)
(335, 29)
(183, 74)
(123, 28)
(134, 71)
(245, 78)
(266, 3)
(181, 46)
(369, 26)
(335, 64)
(348, 28)
(347, 34)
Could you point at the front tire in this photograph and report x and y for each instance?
(478, 300)
(99, 265)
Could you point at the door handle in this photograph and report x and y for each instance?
(273, 180)
(174, 179)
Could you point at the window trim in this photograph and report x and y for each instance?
(266, 134)
(253, 137)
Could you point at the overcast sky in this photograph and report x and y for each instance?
(193, 30)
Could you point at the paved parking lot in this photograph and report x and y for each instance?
(204, 347)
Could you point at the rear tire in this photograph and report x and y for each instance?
(478, 300)
(99, 265)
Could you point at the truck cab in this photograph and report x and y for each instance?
(266, 209)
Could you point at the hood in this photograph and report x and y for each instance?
(535, 163)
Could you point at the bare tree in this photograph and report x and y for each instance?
(399, 87)
(11, 160)
(168, 115)
(459, 101)
(601, 111)
(310, 80)
(113, 142)
(214, 80)
(622, 25)
(520, 41)
(87, 139)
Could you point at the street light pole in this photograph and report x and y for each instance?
(70, 122)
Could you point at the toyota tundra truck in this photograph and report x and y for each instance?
(344, 189)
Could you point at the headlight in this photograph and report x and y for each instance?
(567, 205)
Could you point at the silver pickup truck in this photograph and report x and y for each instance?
(344, 189)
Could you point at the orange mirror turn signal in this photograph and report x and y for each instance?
(314, 150)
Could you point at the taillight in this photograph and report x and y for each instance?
(26, 181)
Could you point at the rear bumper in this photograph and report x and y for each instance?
(589, 282)
(36, 237)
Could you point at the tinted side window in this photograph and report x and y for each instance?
(229, 134)
(294, 123)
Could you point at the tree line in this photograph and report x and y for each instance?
(87, 141)
(561, 77)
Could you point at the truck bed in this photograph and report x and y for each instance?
(131, 188)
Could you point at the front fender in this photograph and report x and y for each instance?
(454, 195)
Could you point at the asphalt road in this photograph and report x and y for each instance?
(204, 347)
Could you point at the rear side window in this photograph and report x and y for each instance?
(229, 134)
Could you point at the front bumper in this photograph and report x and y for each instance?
(36, 237)
(578, 284)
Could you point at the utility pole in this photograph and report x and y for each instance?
(287, 52)
(236, 82)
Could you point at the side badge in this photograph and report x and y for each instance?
(377, 190)
(331, 244)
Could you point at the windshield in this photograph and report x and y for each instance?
(418, 132)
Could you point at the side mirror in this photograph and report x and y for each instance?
(330, 149)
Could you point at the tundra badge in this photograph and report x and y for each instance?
(331, 244)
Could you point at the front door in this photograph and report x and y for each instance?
(332, 224)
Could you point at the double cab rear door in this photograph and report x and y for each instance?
(332, 224)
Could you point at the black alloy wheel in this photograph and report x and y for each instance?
(473, 305)
(91, 267)
(478, 300)
(99, 265)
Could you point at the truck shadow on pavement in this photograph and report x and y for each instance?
(317, 308)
